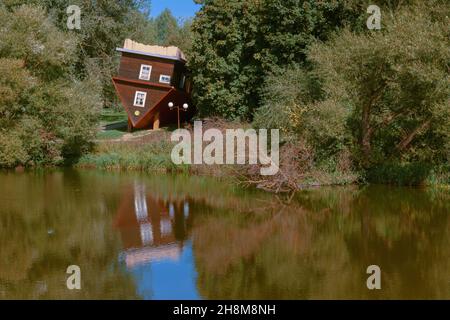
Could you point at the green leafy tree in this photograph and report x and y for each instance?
(237, 43)
(165, 24)
(104, 27)
(182, 37)
(171, 31)
(47, 115)
(395, 85)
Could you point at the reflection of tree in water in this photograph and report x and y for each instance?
(51, 221)
(323, 249)
(405, 232)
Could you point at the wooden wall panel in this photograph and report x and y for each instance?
(158, 94)
(130, 67)
(127, 91)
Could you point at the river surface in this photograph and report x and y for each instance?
(138, 236)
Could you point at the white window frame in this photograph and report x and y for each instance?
(163, 81)
(141, 76)
(143, 100)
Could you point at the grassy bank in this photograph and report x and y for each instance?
(153, 156)
(150, 151)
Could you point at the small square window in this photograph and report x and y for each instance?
(145, 72)
(139, 99)
(164, 79)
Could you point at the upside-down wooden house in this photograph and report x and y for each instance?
(151, 78)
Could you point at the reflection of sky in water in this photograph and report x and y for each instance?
(168, 278)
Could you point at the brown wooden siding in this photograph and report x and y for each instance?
(127, 91)
(158, 94)
(130, 67)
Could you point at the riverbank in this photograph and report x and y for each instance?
(149, 151)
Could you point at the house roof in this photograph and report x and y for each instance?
(172, 53)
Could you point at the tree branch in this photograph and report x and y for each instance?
(409, 138)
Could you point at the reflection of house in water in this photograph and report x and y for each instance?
(156, 250)
(151, 229)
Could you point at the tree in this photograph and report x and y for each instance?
(395, 85)
(165, 24)
(46, 114)
(173, 32)
(237, 43)
(104, 27)
(182, 37)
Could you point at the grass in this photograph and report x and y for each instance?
(109, 116)
(150, 156)
(110, 134)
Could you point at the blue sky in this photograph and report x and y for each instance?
(179, 8)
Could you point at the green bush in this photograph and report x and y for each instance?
(412, 174)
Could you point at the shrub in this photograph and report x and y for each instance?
(412, 174)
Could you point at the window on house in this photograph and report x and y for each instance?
(145, 73)
(182, 81)
(139, 99)
(188, 86)
(164, 79)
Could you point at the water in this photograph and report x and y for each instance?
(137, 236)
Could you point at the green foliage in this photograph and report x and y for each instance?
(104, 27)
(380, 97)
(171, 31)
(286, 100)
(152, 157)
(238, 43)
(55, 80)
(182, 37)
(165, 24)
(47, 115)
(12, 151)
(395, 84)
(412, 174)
(439, 175)
(293, 102)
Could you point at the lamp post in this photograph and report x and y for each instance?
(183, 108)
